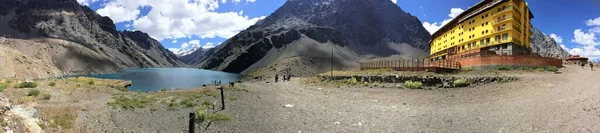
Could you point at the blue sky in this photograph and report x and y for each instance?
(575, 25)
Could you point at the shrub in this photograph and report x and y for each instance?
(164, 89)
(352, 81)
(413, 84)
(219, 117)
(172, 107)
(33, 92)
(524, 68)
(2, 87)
(51, 84)
(64, 121)
(8, 81)
(202, 115)
(91, 82)
(26, 85)
(552, 69)
(47, 96)
(153, 109)
(504, 68)
(188, 103)
(461, 83)
(539, 69)
(206, 103)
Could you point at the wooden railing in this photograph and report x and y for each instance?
(410, 64)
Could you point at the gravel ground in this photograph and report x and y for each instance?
(539, 102)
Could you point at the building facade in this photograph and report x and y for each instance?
(491, 26)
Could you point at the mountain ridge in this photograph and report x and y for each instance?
(376, 29)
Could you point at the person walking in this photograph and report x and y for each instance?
(581, 64)
(276, 77)
(592, 66)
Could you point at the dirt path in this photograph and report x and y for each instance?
(567, 102)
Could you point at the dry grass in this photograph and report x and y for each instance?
(60, 119)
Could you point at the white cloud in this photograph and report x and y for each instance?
(421, 7)
(593, 22)
(455, 12)
(174, 41)
(395, 1)
(556, 38)
(583, 38)
(119, 13)
(86, 2)
(172, 19)
(564, 47)
(208, 45)
(586, 51)
(433, 27)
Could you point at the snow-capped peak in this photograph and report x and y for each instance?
(186, 48)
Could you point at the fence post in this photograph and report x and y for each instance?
(222, 98)
(192, 123)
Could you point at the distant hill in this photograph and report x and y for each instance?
(300, 36)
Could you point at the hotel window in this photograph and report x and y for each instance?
(482, 32)
(486, 31)
(482, 42)
(498, 38)
(505, 36)
(487, 41)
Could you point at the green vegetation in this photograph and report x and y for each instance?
(206, 103)
(51, 84)
(504, 68)
(33, 92)
(233, 98)
(552, 69)
(219, 117)
(2, 87)
(3, 123)
(352, 81)
(91, 82)
(163, 89)
(188, 102)
(64, 121)
(539, 69)
(413, 84)
(78, 85)
(172, 107)
(26, 85)
(131, 102)
(8, 81)
(203, 115)
(461, 83)
(47, 96)
(153, 109)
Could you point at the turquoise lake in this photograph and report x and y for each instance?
(155, 79)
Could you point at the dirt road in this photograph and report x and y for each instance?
(567, 102)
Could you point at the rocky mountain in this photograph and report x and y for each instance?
(192, 58)
(186, 50)
(545, 46)
(303, 35)
(74, 39)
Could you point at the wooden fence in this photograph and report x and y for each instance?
(411, 65)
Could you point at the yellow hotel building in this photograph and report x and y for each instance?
(500, 26)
